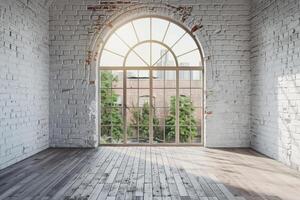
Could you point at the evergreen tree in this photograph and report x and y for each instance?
(187, 121)
(140, 120)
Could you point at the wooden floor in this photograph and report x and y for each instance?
(149, 173)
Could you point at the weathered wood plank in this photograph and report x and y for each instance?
(162, 173)
(178, 181)
(156, 187)
(139, 193)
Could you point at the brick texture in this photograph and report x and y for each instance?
(224, 37)
(252, 52)
(275, 73)
(24, 80)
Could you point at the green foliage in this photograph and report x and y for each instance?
(140, 118)
(111, 114)
(112, 120)
(187, 121)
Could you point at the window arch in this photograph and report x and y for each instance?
(147, 42)
(151, 84)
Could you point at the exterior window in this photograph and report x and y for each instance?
(151, 85)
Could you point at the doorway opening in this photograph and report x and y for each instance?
(151, 85)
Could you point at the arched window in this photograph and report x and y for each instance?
(151, 84)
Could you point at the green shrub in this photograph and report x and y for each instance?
(140, 118)
(111, 113)
(187, 121)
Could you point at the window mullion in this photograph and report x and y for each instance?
(151, 90)
(177, 109)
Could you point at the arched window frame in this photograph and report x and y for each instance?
(151, 66)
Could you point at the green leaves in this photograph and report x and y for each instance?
(187, 121)
(111, 113)
(140, 119)
(112, 125)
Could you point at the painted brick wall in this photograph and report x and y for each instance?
(275, 94)
(24, 80)
(225, 38)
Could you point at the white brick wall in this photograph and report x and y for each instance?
(275, 94)
(225, 38)
(24, 80)
(271, 32)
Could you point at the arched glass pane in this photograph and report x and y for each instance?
(134, 60)
(142, 27)
(159, 28)
(127, 34)
(127, 99)
(191, 59)
(116, 45)
(173, 34)
(161, 56)
(139, 56)
(144, 51)
(185, 45)
(110, 60)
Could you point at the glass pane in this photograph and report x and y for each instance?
(185, 45)
(158, 98)
(116, 116)
(170, 95)
(170, 133)
(116, 45)
(111, 60)
(127, 34)
(107, 98)
(196, 75)
(132, 97)
(143, 134)
(159, 27)
(186, 116)
(185, 93)
(196, 97)
(117, 97)
(132, 134)
(198, 114)
(145, 114)
(158, 82)
(142, 27)
(138, 79)
(186, 133)
(143, 50)
(117, 134)
(196, 81)
(110, 97)
(106, 79)
(190, 59)
(185, 79)
(144, 81)
(170, 79)
(105, 135)
(133, 116)
(135, 60)
(161, 56)
(132, 79)
(117, 79)
(174, 33)
(106, 116)
(111, 79)
(197, 137)
(159, 116)
(158, 79)
(144, 98)
(158, 134)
